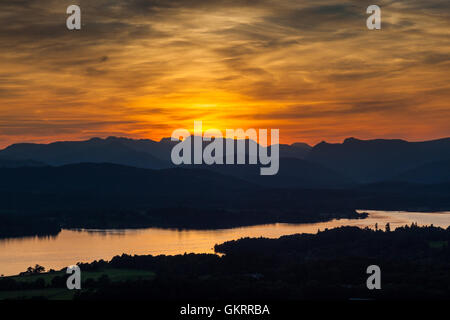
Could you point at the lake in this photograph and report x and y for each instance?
(72, 246)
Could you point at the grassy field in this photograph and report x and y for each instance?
(115, 275)
(50, 294)
(437, 244)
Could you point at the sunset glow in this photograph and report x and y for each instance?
(144, 68)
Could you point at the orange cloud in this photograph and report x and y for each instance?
(142, 69)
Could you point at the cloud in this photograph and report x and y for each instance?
(159, 62)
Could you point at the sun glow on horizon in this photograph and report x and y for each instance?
(314, 73)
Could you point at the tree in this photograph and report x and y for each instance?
(388, 227)
(37, 269)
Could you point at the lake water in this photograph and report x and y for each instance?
(72, 246)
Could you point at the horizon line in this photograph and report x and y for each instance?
(169, 138)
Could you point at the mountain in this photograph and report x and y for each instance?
(105, 178)
(98, 195)
(13, 163)
(293, 173)
(368, 161)
(111, 150)
(88, 187)
(325, 165)
(296, 150)
(429, 173)
(142, 153)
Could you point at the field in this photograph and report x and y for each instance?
(114, 275)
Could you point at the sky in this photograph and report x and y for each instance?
(143, 68)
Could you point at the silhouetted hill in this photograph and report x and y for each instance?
(402, 196)
(296, 150)
(368, 161)
(430, 173)
(104, 178)
(113, 150)
(115, 196)
(14, 163)
(111, 196)
(293, 173)
(323, 166)
(144, 153)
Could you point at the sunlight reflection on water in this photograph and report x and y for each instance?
(72, 246)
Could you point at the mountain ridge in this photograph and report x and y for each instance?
(352, 161)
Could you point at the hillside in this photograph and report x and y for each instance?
(368, 161)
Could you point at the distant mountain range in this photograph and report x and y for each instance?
(107, 196)
(136, 153)
(368, 161)
(142, 153)
(325, 165)
(156, 188)
(126, 183)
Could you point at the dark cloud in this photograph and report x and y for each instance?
(320, 17)
(337, 110)
(436, 58)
